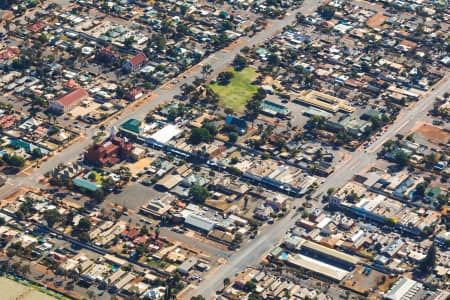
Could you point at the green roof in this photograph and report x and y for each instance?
(131, 126)
(90, 186)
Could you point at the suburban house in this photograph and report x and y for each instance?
(66, 102)
(135, 63)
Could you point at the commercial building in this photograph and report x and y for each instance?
(324, 101)
(200, 223)
(329, 254)
(109, 152)
(131, 127)
(66, 102)
(157, 207)
(404, 288)
(187, 265)
(166, 134)
(317, 267)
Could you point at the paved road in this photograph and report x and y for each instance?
(251, 253)
(404, 123)
(219, 61)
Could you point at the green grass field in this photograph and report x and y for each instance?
(236, 94)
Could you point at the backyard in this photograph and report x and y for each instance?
(240, 89)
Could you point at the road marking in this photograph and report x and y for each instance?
(355, 165)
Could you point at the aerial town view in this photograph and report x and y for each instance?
(211, 149)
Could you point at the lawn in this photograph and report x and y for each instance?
(236, 94)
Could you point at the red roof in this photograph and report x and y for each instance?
(137, 59)
(7, 121)
(133, 92)
(9, 52)
(72, 96)
(140, 240)
(36, 26)
(70, 83)
(109, 51)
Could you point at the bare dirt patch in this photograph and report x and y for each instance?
(433, 133)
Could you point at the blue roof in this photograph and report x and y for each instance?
(237, 122)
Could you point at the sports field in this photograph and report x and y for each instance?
(12, 290)
(236, 94)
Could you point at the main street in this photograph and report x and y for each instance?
(219, 61)
(251, 253)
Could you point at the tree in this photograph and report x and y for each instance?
(273, 60)
(224, 78)
(199, 135)
(401, 157)
(84, 237)
(220, 40)
(198, 193)
(144, 230)
(240, 62)
(129, 41)
(52, 216)
(376, 122)
(84, 225)
(2, 221)
(158, 42)
(14, 160)
(233, 137)
(326, 11)
(206, 71)
(429, 261)
(420, 189)
(250, 286)
(442, 200)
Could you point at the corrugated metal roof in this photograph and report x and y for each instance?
(200, 222)
(331, 252)
(86, 184)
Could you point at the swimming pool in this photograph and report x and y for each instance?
(3, 152)
(284, 256)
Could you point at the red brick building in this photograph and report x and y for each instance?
(108, 152)
(107, 54)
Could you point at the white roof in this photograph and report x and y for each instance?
(318, 266)
(166, 134)
(401, 288)
(322, 224)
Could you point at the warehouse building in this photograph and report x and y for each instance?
(328, 254)
(319, 268)
(404, 288)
